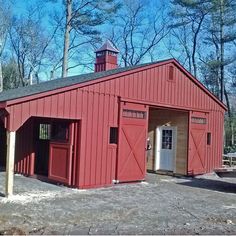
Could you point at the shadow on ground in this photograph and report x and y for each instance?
(2, 169)
(215, 185)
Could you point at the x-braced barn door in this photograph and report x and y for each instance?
(131, 163)
(60, 152)
(197, 143)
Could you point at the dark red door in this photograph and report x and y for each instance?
(197, 143)
(60, 152)
(131, 163)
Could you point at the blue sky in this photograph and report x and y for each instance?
(20, 8)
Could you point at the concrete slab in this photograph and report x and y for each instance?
(162, 205)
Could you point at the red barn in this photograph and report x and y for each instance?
(96, 129)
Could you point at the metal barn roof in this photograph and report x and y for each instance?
(62, 82)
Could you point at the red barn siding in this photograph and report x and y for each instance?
(152, 86)
(98, 113)
(96, 105)
(97, 157)
(24, 157)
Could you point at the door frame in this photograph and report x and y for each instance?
(158, 138)
(74, 141)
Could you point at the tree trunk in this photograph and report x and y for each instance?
(227, 103)
(229, 142)
(232, 133)
(67, 38)
(195, 40)
(222, 50)
(1, 77)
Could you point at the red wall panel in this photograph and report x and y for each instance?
(97, 157)
(24, 153)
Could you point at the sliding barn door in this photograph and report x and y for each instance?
(131, 163)
(197, 143)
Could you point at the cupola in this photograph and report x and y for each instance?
(106, 57)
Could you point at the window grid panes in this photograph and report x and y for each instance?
(45, 131)
(134, 114)
(167, 139)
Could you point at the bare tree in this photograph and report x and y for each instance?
(5, 16)
(136, 33)
(187, 25)
(29, 44)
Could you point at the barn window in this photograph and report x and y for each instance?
(99, 54)
(208, 138)
(134, 114)
(198, 120)
(111, 53)
(44, 131)
(60, 131)
(113, 135)
(167, 137)
(171, 73)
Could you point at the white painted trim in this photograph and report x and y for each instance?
(175, 149)
(11, 138)
(157, 148)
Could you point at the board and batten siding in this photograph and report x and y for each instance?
(24, 151)
(97, 112)
(96, 104)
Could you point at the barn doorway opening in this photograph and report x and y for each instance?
(55, 142)
(42, 142)
(168, 135)
(47, 149)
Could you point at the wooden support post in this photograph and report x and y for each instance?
(11, 138)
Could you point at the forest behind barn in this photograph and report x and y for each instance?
(49, 39)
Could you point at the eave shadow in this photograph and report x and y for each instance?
(209, 184)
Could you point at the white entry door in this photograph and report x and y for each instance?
(165, 148)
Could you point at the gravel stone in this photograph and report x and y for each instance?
(161, 205)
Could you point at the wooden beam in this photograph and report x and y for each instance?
(11, 138)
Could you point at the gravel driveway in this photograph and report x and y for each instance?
(161, 205)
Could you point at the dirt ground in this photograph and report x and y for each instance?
(161, 205)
